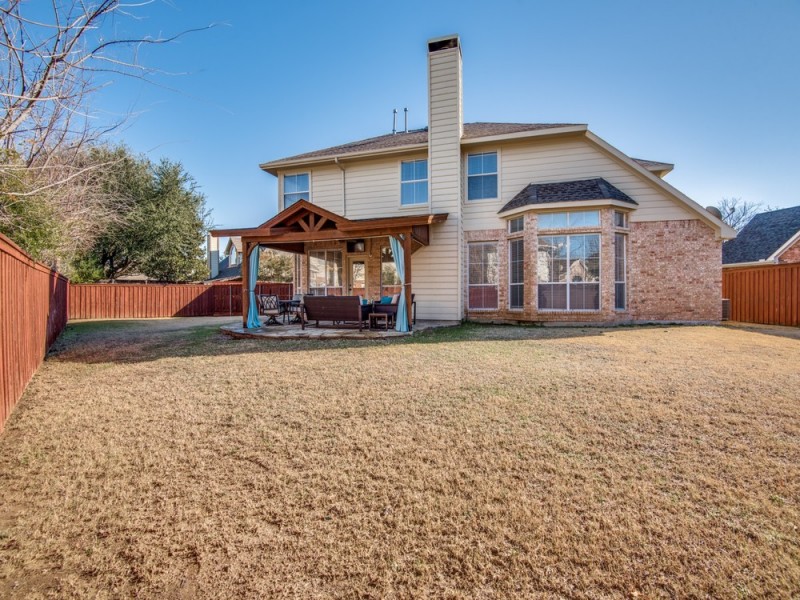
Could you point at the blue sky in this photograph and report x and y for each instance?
(711, 86)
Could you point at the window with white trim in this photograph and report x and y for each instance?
(516, 225)
(516, 273)
(620, 219)
(620, 267)
(325, 272)
(483, 275)
(414, 182)
(568, 272)
(482, 176)
(569, 220)
(296, 187)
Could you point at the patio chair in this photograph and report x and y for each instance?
(269, 306)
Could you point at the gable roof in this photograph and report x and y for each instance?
(567, 191)
(236, 242)
(763, 236)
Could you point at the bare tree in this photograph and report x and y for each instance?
(53, 58)
(737, 212)
(52, 67)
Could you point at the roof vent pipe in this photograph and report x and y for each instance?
(405, 111)
(394, 121)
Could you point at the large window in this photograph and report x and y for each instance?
(568, 272)
(295, 187)
(482, 176)
(413, 182)
(516, 273)
(483, 275)
(390, 280)
(620, 257)
(325, 272)
(569, 220)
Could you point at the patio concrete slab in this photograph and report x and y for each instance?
(294, 332)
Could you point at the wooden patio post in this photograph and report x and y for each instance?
(245, 281)
(407, 274)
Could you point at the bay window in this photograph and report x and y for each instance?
(568, 272)
(620, 259)
(516, 273)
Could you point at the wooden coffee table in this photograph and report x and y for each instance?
(378, 318)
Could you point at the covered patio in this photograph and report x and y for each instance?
(338, 256)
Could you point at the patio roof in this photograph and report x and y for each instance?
(305, 222)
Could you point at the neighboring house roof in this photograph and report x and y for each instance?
(763, 236)
(236, 242)
(226, 271)
(567, 191)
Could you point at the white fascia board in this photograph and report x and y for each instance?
(752, 263)
(724, 231)
(555, 206)
(789, 243)
(274, 167)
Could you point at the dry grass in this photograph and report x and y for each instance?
(478, 462)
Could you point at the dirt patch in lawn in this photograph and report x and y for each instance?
(472, 462)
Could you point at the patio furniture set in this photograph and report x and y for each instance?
(338, 310)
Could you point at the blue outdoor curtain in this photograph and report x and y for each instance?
(401, 322)
(253, 321)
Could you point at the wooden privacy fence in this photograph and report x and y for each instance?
(33, 311)
(768, 294)
(143, 301)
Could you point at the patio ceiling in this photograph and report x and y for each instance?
(305, 222)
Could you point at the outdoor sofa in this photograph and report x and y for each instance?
(336, 309)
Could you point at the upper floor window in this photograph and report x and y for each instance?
(482, 176)
(620, 219)
(516, 225)
(570, 220)
(413, 182)
(296, 187)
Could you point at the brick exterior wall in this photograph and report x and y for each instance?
(371, 255)
(674, 273)
(791, 254)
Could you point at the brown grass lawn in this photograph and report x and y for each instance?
(165, 460)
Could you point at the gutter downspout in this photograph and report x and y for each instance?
(344, 186)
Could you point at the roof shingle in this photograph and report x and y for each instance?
(762, 236)
(567, 191)
(418, 136)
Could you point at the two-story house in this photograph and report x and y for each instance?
(498, 221)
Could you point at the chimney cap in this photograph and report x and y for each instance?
(444, 43)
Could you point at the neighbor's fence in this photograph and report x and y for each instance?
(33, 311)
(768, 294)
(147, 301)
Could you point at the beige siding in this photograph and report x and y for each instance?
(534, 161)
(436, 269)
(326, 188)
(373, 189)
